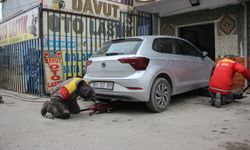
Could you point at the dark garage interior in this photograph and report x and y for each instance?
(202, 36)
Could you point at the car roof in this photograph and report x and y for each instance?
(152, 37)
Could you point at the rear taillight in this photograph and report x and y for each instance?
(138, 63)
(88, 62)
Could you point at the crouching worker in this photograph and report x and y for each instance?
(221, 81)
(63, 100)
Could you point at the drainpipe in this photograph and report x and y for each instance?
(245, 38)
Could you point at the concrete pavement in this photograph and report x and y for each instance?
(188, 124)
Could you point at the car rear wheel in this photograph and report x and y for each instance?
(160, 95)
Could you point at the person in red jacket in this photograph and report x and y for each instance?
(63, 101)
(221, 79)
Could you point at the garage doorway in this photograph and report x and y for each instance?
(202, 36)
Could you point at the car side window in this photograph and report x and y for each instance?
(188, 49)
(176, 48)
(164, 45)
(155, 46)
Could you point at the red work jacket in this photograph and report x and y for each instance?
(221, 80)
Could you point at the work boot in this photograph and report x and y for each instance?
(47, 107)
(213, 97)
(218, 100)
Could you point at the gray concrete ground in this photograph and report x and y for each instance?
(189, 124)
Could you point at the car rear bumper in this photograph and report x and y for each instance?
(132, 88)
(113, 96)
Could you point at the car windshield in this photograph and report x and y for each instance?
(119, 47)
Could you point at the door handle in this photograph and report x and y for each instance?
(170, 61)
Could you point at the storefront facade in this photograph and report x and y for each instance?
(55, 38)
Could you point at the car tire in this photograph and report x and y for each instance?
(160, 95)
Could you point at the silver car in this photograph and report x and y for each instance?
(147, 68)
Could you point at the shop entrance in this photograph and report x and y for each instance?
(202, 36)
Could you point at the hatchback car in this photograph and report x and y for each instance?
(147, 68)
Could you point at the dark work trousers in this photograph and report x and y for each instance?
(230, 97)
(64, 108)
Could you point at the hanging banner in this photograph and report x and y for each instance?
(53, 69)
(21, 28)
(100, 8)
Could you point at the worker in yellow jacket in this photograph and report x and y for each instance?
(64, 98)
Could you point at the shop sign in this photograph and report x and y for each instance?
(21, 28)
(100, 8)
(65, 26)
(53, 69)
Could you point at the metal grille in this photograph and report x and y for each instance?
(135, 24)
(127, 2)
(21, 67)
(79, 36)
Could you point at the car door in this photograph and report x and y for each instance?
(198, 66)
(175, 64)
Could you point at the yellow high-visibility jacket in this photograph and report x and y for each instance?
(68, 89)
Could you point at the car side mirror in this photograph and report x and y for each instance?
(204, 54)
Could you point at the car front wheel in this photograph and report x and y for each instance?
(160, 95)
